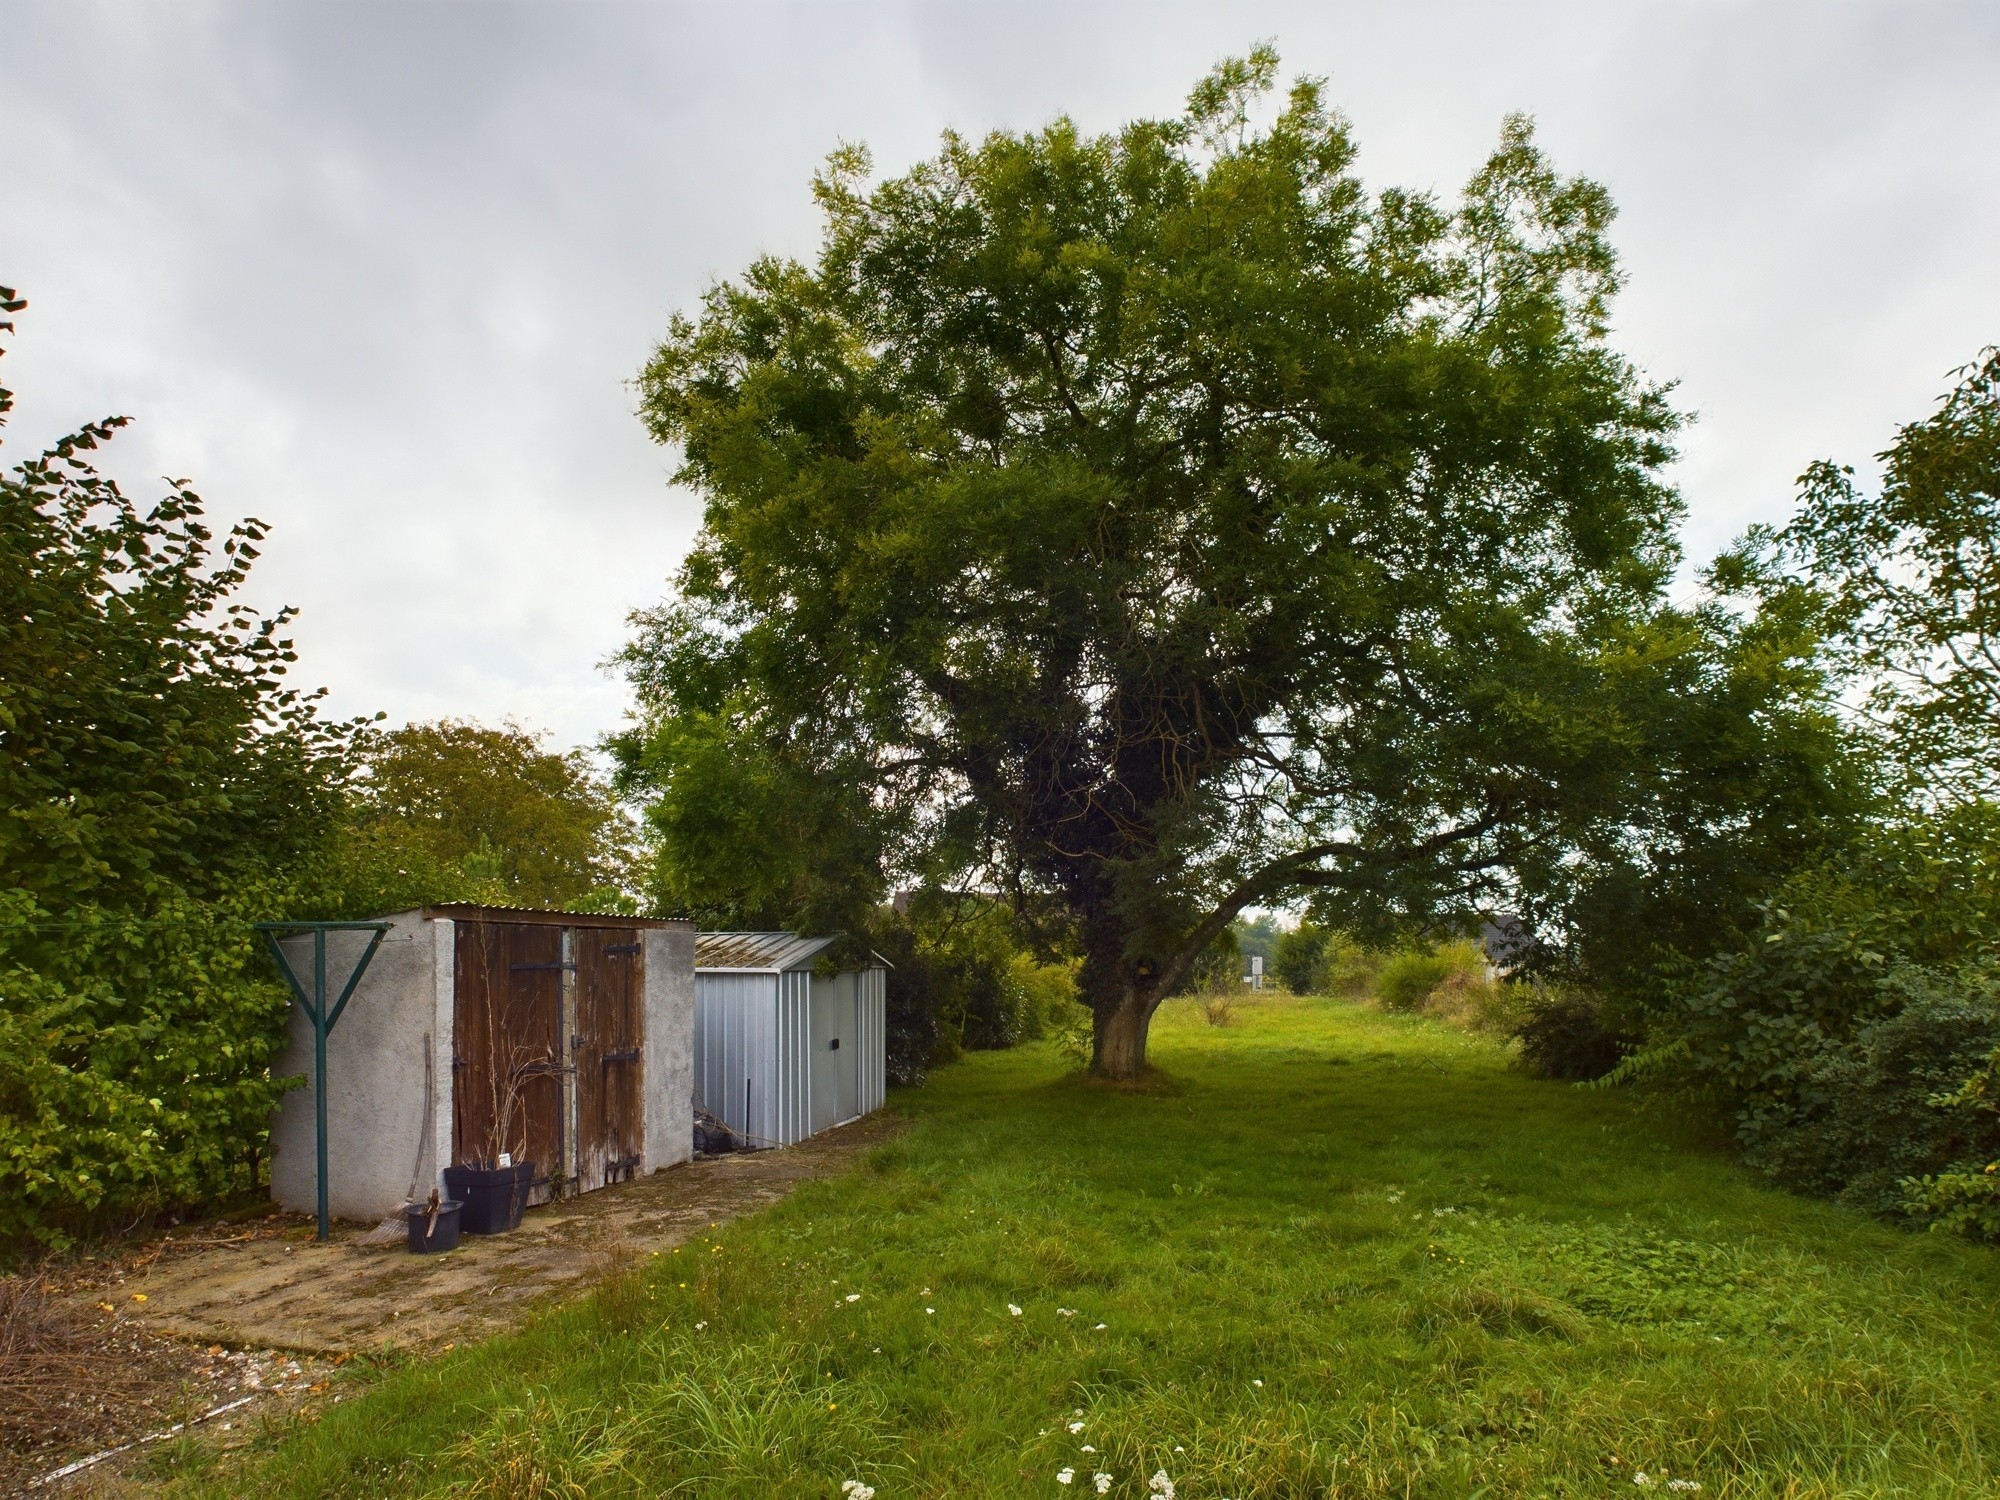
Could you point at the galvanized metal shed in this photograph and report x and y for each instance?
(561, 1038)
(782, 1052)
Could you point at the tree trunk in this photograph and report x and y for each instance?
(1119, 1049)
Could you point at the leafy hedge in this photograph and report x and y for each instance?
(161, 789)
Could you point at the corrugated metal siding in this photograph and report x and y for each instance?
(736, 1050)
(754, 1049)
(872, 1026)
(795, 1072)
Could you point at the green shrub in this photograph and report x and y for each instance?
(1298, 961)
(964, 980)
(1562, 1035)
(163, 790)
(1406, 979)
(1041, 998)
(1870, 1113)
(1965, 1196)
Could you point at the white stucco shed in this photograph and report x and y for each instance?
(781, 1051)
(561, 1038)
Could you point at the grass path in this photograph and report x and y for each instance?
(1332, 1253)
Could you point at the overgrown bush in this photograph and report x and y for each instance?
(1862, 997)
(1892, 1103)
(964, 979)
(1562, 1035)
(1314, 960)
(1407, 977)
(1473, 1002)
(1299, 958)
(163, 790)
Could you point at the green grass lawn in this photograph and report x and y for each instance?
(1332, 1252)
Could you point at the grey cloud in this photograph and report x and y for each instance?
(379, 273)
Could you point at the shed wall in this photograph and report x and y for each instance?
(736, 1049)
(389, 1067)
(669, 1045)
(385, 1084)
(762, 1063)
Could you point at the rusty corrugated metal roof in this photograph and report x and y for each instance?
(757, 952)
(464, 911)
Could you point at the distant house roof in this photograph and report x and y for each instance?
(1506, 940)
(761, 952)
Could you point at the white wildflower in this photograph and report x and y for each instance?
(854, 1296)
(1642, 1479)
(1065, 1312)
(930, 1312)
(1015, 1311)
(1689, 1485)
(1076, 1427)
(1064, 1476)
(1102, 1481)
(701, 1325)
(857, 1490)
(1162, 1486)
(1100, 1328)
(1179, 1449)
(1086, 1448)
(1258, 1383)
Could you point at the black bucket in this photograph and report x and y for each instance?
(494, 1197)
(428, 1236)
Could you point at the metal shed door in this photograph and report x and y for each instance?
(834, 1051)
(507, 1092)
(610, 1027)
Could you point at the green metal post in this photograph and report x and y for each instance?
(322, 1017)
(319, 1073)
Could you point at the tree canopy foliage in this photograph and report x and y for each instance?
(1162, 523)
(458, 811)
(1851, 1022)
(1910, 577)
(161, 788)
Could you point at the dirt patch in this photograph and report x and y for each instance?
(193, 1321)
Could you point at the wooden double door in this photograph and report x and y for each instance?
(548, 1040)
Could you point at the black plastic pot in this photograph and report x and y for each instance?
(429, 1236)
(494, 1197)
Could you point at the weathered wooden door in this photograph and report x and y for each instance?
(610, 1120)
(507, 1045)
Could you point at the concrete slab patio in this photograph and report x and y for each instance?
(290, 1292)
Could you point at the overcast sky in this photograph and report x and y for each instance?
(379, 274)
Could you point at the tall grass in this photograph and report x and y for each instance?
(1328, 1251)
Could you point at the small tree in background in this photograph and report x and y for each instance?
(454, 810)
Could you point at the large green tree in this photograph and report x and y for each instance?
(1162, 523)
